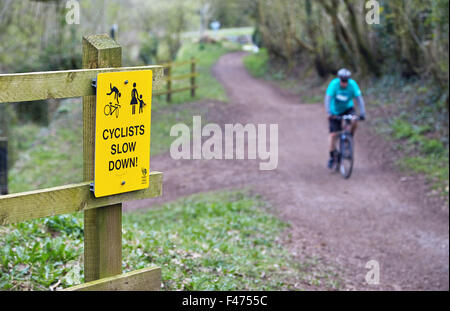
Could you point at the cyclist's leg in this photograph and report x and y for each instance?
(332, 139)
(354, 127)
(335, 126)
(353, 123)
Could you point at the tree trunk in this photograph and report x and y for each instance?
(363, 49)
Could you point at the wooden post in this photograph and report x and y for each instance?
(102, 226)
(3, 150)
(3, 165)
(169, 83)
(193, 77)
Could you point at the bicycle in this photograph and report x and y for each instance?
(110, 109)
(344, 156)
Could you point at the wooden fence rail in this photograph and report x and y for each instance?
(168, 77)
(19, 87)
(66, 199)
(102, 216)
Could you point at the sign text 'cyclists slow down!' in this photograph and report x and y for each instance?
(122, 132)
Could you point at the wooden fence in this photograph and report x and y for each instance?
(169, 78)
(102, 216)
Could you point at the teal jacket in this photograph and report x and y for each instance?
(338, 100)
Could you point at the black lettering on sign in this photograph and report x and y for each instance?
(124, 148)
(123, 132)
(123, 163)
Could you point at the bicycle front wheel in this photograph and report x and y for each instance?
(346, 161)
(107, 110)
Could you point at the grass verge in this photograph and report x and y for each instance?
(215, 241)
(257, 64)
(409, 114)
(422, 154)
(206, 56)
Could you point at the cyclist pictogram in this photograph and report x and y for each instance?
(111, 108)
(116, 92)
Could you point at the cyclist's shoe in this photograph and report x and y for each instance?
(330, 163)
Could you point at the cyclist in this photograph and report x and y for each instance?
(339, 102)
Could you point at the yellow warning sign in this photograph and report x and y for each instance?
(122, 132)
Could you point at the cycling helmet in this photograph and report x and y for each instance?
(344, 74)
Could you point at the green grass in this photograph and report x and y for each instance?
(422, 154)
(53, 155)
(36, 254)
(215, 241)
(206, 56)
(434, 168)
(257, 64)
(161, 124)
(403, 129)
(414, 119)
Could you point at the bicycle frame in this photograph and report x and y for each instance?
(112, 108)
(345, 138)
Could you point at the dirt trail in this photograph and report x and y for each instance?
(346, 223)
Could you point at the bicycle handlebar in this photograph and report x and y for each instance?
(346, 117)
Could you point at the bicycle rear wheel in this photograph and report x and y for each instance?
(346, 161)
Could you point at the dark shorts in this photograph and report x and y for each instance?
(336, 125)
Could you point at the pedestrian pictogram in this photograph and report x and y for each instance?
(141, 104)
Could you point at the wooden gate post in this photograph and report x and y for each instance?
(169, 83)
(102, 226)
(192, 77)
(3, 150)
(3, 165)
